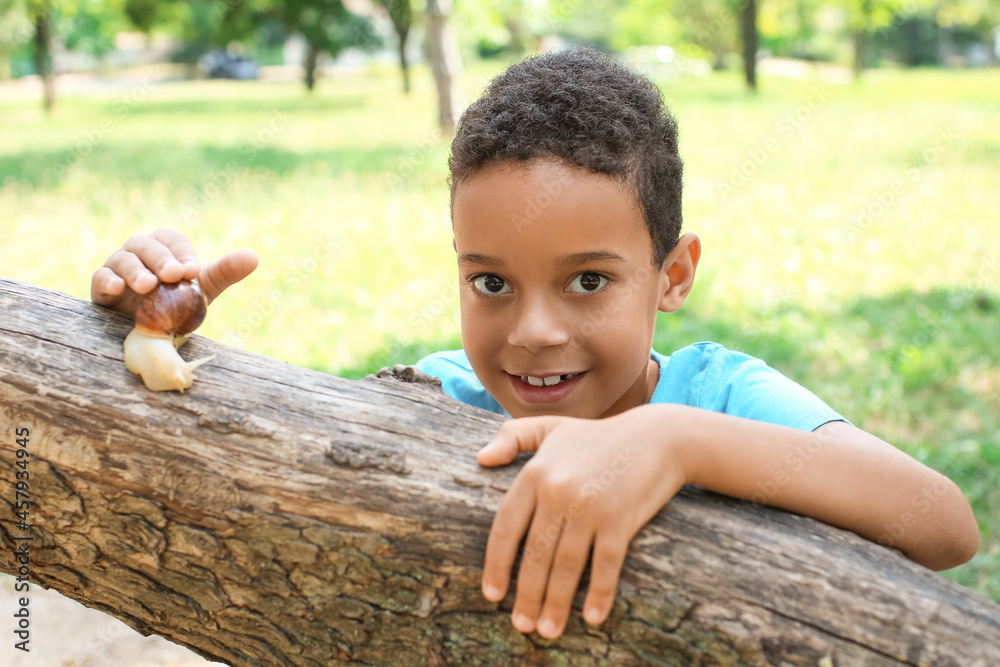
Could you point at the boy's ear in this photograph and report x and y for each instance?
(453, 244)
(677, 274)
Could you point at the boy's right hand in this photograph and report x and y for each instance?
(165, 255)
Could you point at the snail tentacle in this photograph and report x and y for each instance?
(164, 322)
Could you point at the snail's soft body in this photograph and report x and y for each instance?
(164, 322)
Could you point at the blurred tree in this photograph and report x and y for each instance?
(749, 34)
(16, 29)
(446, 64)
(976, 18)
(710, 25)
(327, 26)
(401, 14)
(142, 13)
(647, 23)
(864, 17)
(90, 26)
(41, 12)
(806, 29)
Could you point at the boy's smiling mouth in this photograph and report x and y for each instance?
(544, 388)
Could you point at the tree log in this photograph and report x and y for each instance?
(275, 515)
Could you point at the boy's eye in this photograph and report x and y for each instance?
(490, 284)
(590, 282)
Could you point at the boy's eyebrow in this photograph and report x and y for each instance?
(565, 260)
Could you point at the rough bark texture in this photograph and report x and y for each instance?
(274, 515)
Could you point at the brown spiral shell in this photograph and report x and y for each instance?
(172, 307)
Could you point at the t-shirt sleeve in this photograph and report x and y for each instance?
(458, 380)
(737, 384)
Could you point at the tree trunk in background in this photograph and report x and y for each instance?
(404, 65)
(43, 55)
(860, 53)
(446, 63)
(401, 14)
(861, 37)
(312, 55)
(275, 515)
(750, 43)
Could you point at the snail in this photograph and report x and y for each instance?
(164, 322)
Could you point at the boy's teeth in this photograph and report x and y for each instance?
(548, 382)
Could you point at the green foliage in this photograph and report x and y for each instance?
(142, 13)
(887, 311)
(646, 22)
(327, 24)
(89, 26)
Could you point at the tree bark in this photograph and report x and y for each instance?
(446, 64)
(275, 515)
(750, 43)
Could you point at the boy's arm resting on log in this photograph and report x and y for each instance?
(275, 515)
(838, 474)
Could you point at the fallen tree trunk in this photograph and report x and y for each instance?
(274, 515)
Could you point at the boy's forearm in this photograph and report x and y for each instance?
(837, 474)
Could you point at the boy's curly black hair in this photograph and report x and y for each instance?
(593, 112)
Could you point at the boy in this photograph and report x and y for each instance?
(566, 211)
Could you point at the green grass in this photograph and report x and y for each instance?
(891, 317)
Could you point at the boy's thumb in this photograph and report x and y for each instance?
(515, 436)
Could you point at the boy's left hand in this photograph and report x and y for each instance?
(592, 485)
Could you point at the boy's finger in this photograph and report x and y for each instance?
(132, 270)
(609, 558)
(154, 256)
(106, 286)
(509, 525)
(217, 276)
(570, 559)
(516, 435)
(181, 247)
(536, 561)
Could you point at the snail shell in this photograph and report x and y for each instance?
(172, 307)
(164, 321)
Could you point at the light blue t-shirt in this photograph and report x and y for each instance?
(703, 375)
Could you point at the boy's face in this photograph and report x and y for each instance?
(556, 277)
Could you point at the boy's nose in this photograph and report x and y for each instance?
(537, 324)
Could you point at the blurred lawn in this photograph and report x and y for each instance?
(891, 317)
